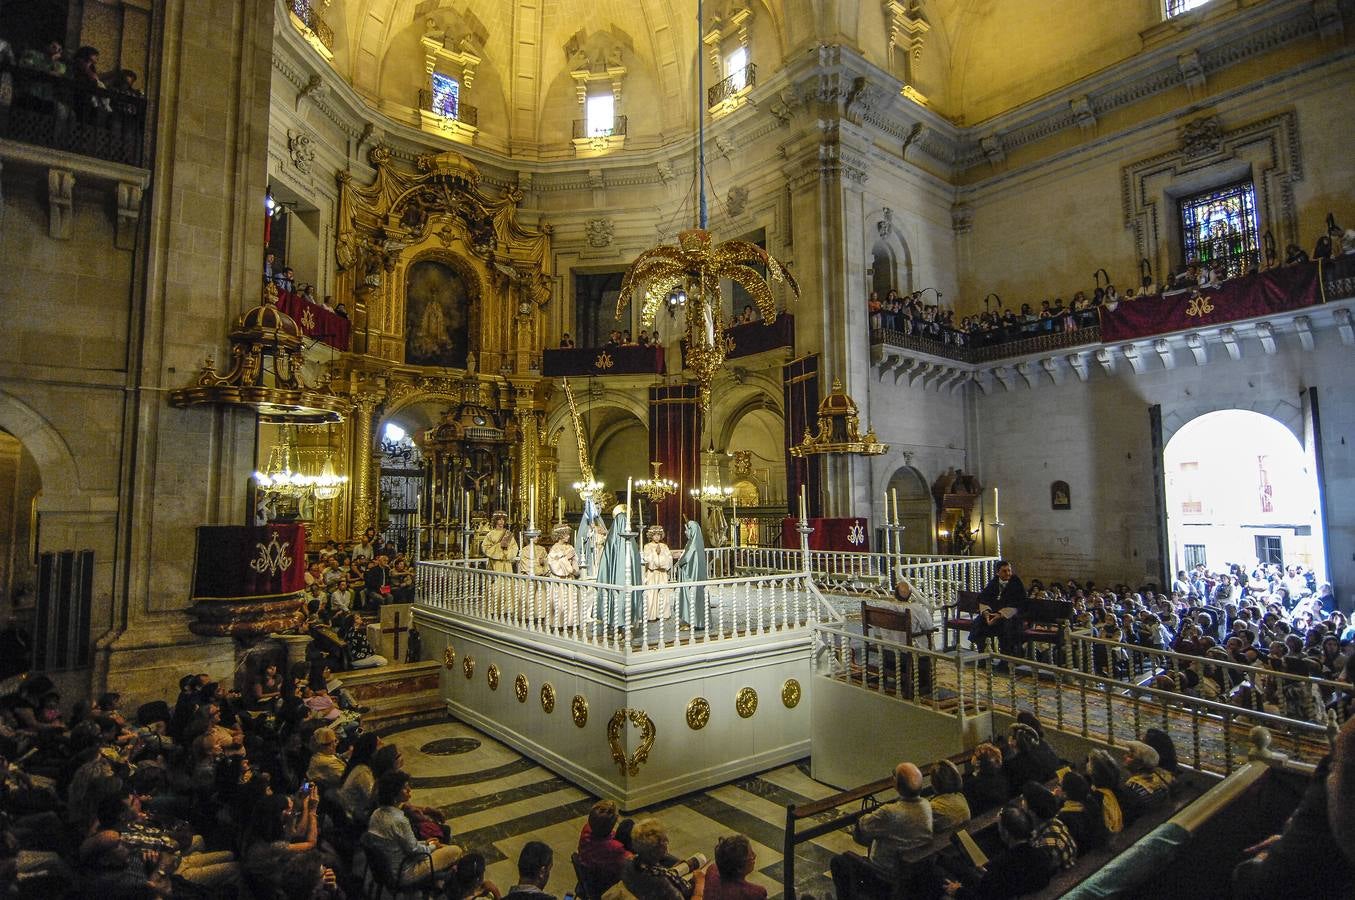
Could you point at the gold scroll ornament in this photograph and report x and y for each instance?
(630, 765)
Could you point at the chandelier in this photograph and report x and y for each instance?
(712, 493)
(588, 489)
(689, 276)
(656, 489)
(281, 479)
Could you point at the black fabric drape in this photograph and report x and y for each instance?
(675, 441)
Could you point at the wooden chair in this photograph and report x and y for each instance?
(960, 616)
(902, 622)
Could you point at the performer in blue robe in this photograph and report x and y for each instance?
(691, 567)
(612, 570)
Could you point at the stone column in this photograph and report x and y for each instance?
(364, 488)
(528, 448)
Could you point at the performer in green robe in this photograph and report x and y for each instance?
(691, 567)
(612, 571)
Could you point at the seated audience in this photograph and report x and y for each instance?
(950, 809)
(1083, 814)
(987, 785)
(726, 878)
(534, 865)
(1020, 868)
(601, 855)
(1051, 833)
(1147, 785)
(886, 830)
(390, 833)
(651, 875)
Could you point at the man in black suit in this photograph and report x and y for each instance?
(376, 583)
(1001, 605)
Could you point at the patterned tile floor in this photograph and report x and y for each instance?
(497, 800)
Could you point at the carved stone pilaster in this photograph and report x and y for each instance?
(129, 215)
(364, 446)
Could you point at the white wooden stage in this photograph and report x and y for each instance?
(643, 711)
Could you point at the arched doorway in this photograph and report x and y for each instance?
(882, 275)
(20, 491)
(1240, 487)
(915, 510)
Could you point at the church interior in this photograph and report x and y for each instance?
(658, 357)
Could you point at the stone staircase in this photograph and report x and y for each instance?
(397, 694)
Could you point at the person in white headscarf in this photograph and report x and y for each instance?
(658, 562)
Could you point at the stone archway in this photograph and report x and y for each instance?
(915, 510)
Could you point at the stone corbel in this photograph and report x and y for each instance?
(1083, 113)
(1164, 352)
(1198, 348)
(1078, 363)
(984, 381)
(1266, 332)
(960, 380)
(920, 371)
(936, 376)
(1051, 366)
(1345, 326)
(1006, 376)
(1032, 378)
(1331, 25)
(1106, 359)
(1230, 343)
(129, 215)
(962, 218)
(1304, 327)
(60, 203)
(1192, 69)
(993, 149)
(1131, 353)
(903, 367)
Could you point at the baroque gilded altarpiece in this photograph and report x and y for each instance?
(439, 213)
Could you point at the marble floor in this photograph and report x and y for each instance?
(496, 800)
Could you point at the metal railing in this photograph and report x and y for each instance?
(465, 113)
(1209, 735)
(305, 11)
(59, 112)
(732, 84)
(970, 353)
(636, 619)
(1132, 664)
(581, 131)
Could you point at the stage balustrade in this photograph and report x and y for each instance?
(738, 606)
(1209, 736)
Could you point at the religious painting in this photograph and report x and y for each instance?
(1059, 496)
(437, 315)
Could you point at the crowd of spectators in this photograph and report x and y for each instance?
(1267, 616)
(622, 337)
(266, 794)
(1052, 812)
(911, 315)
(284, 279)
(66, 85)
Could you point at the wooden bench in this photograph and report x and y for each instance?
(900, 620)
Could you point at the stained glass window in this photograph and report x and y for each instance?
(1219, 226)
(446, 95)
(1176, 7)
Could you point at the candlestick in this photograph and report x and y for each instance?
(997, 517)
(640, 516)
(628, 492)
(465, 508)
(804, 514)
(895, 492)
(418, 507)
(560, 503)
(531, 507)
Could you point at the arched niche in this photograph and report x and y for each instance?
(915, 510)
(441, 298)
(20, 493)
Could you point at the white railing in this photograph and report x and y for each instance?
(640, 618)
(869, 574)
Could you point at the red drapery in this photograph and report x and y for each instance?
(249, 562)
(801, 380)
(315, 321)
(848, 535)
(675, 441)
(1272, 291)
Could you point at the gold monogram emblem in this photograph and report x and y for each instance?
(308, 320)
(548, 698)
(698, 713)
(745, 704)
(604, 361)
(790, 693)
(1199, 306)
(578, 708)
(520, 688)
(630, 765)
(468, 666)
(493, 677)
(449, 656)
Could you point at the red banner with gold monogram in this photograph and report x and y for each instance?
(1265, 293)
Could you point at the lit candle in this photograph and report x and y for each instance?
(996, 517)
(804, 509)
(640, 516)
(628, 492)
(465, 509)
(531, 507)
(418, 509)
(895, 492)
(887, 522)
(560, 504)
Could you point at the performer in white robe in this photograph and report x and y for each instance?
(501, 548)
(658, 564)
(563, 562)
(534, 600)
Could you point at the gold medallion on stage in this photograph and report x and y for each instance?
(468, 666)
(520, 688)
(578, 708)
(493, 676)
(548, 698)
(790, 693)
(449, 656)
(745, 704)
(698, 713)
